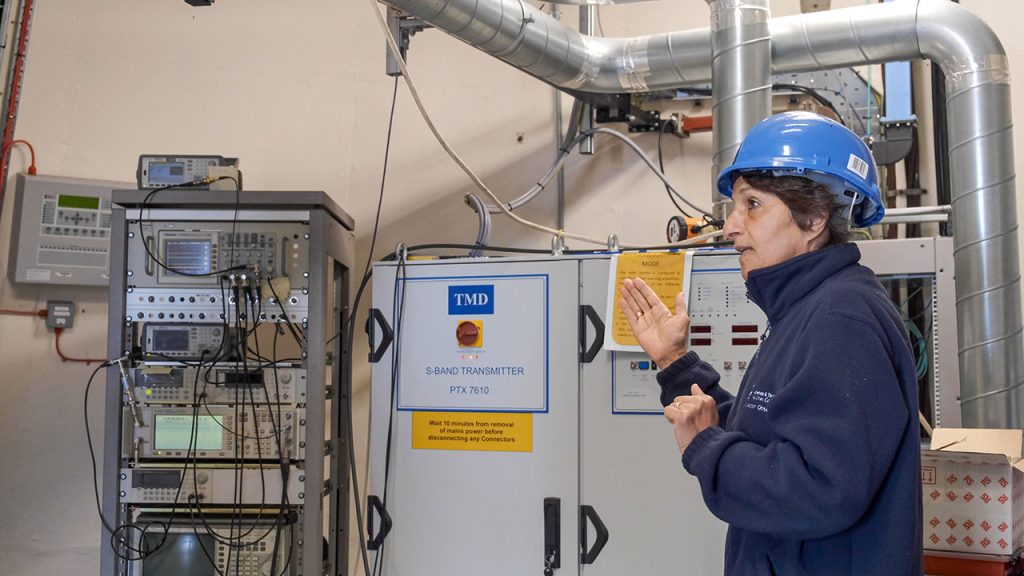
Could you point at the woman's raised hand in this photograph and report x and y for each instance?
(660, 333)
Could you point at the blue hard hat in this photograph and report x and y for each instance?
(806, 144)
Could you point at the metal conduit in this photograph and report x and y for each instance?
(980, 132)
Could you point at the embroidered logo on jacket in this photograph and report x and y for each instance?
(758, 400)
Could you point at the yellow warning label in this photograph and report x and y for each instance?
(486, 431)
(662, 271)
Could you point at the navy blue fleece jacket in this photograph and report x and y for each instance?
(815, 464)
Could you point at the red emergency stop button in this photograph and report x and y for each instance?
(469, 333)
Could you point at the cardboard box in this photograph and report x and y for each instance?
(972, 481)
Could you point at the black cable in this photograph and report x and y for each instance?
(398, 308)
(383, 179)
(285, 466)
(301, 340)
(193, 452)
(233, 542)
(661, 165)
(117, 543)
(455, 246)
(350, 327)
(231, 256)
(813, 93)
(224, 349)
(92, 451)
(142, 550)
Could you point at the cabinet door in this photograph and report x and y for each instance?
(630, 468)
(484, 418)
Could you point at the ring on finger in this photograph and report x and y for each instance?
(639, 315)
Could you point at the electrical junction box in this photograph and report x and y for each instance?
(60, 314)
(61, 232)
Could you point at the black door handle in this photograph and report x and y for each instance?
(374, 504)
(587, 355)
(587, 513)
(552, 535)
(387, 334)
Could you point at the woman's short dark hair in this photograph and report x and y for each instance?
(807, 201)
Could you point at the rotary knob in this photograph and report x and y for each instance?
(202, 478)
(467, 333)
(285, 377)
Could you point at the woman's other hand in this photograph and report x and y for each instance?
(691, 415)
(660, 333)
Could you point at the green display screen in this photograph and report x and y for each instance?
(84, 202)
(174, 432)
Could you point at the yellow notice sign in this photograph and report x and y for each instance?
(485, 431)
(662, 271)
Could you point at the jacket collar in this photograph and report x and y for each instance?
(777, 288)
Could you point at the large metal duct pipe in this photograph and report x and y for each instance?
(990, 327)
(540, 45)
(984, 204)
(986, 259)
(741, 80)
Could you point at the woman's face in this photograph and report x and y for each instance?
(763, 229)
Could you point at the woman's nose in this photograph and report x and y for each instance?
(733, 225)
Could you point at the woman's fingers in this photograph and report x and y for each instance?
(630, 313)
(647, 294)
(636, 302)
(680, 304)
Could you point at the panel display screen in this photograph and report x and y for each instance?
(166, 172)
(174, 432)
(188, 256)
(170, 340)
(156, 479)
(83, 202)
(180, 554)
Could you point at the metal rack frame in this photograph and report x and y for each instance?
(329, 372)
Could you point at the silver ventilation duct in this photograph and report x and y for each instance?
(540, 45)
(990, 329)
(741, 80)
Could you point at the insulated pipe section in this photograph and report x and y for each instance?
(989, 326)
(984, 202)
(741, 80)
(541, 46)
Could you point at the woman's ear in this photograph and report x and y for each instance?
(817, 234)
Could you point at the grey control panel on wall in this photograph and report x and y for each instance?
(61, 232)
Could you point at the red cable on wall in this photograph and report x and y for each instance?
(10, 312)
(32, 151)
(56, 334)
(56, 344)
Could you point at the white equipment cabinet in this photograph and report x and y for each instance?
(478, 509)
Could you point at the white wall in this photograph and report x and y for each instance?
(296, 90)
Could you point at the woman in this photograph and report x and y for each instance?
(815, 463)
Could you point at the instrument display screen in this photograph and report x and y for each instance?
(184, 432)
(167, 173)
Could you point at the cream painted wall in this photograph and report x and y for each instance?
(297, 91)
